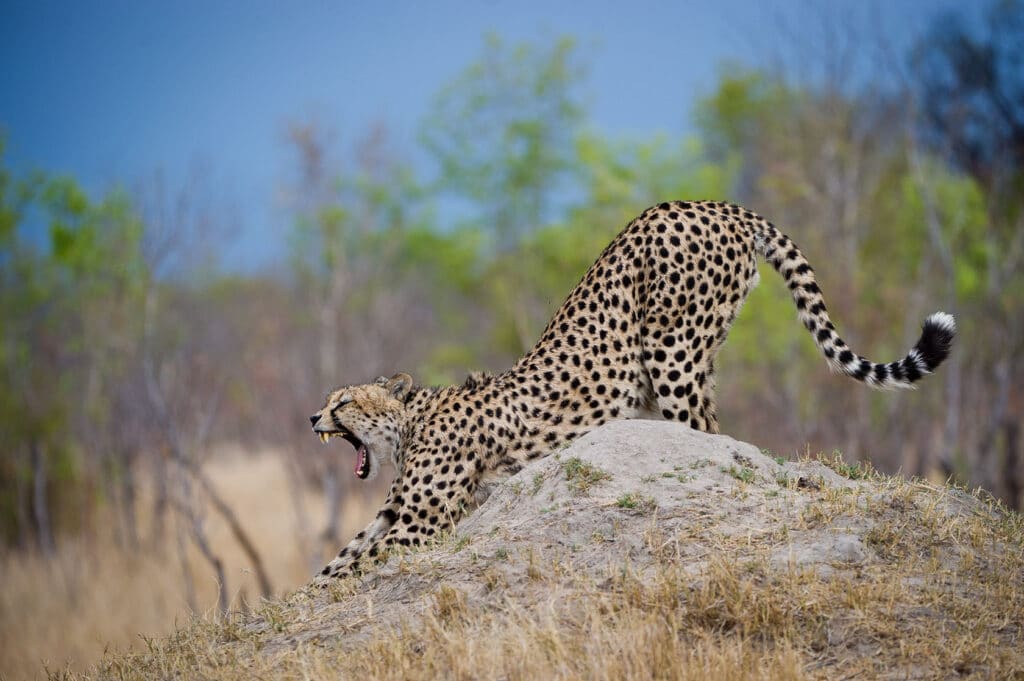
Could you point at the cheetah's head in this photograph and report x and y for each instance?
(368, 417)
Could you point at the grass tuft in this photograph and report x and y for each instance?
(636, 502)
(582, 475)
(741, 473)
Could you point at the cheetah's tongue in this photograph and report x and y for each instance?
(362, 463)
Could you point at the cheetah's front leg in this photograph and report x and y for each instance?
(363, 545)
(408, 521)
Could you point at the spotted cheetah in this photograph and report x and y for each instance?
(637, 338)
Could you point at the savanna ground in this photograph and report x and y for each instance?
(649, 551)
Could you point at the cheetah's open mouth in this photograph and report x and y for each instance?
(362, 469)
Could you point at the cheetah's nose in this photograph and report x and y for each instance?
(313, 419)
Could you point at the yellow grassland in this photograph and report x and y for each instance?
(95, 596)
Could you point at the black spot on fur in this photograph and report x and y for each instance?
(881, 373)
(910, 370)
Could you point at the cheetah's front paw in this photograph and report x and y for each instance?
(336, 569)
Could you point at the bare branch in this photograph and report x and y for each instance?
(198, 535)
(237, 531)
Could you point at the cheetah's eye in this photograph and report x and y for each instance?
(343, 401)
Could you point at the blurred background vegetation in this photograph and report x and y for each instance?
(129, 356)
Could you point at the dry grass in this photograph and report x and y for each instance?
(940, 595)
(94, 596)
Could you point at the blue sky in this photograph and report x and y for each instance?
(115, 92)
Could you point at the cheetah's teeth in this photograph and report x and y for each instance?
(324, 437)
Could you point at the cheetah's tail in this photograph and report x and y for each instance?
(928, 353)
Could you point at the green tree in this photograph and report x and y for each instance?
(71, 310)
(503, 136)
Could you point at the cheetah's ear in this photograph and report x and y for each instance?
(399, 385)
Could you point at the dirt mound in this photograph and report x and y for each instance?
(646, 547)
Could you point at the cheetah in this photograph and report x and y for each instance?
(636, 338)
